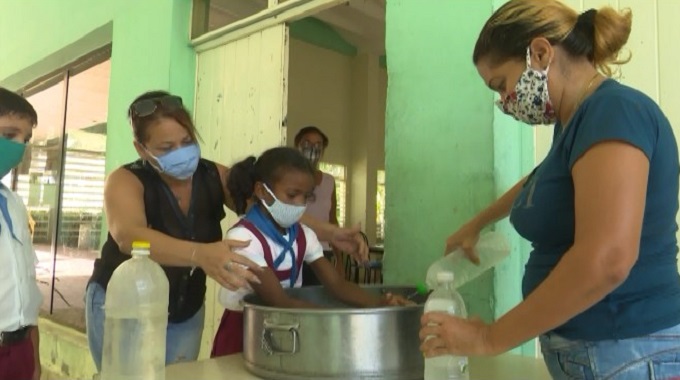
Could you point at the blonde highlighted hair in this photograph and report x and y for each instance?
(597, 35)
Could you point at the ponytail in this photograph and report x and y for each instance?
(599, 35)
(612, 29)
(241, 183)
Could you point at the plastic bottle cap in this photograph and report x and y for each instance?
(141, 244)
(421, 288)
(444, 276)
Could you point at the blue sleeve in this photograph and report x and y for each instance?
(625, 117)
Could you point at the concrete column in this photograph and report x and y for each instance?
(366, 155)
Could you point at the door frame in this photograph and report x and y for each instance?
(276, 13)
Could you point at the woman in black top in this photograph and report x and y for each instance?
(174, 199)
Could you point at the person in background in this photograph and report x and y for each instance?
(20, 297)
(275, 190)
(601, 286)
(312, 142)
(174, 199)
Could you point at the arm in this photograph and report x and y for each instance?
(126, 218)
(322, 229)
(271, 292)
(467, 235)
(499, 209)
(610, 185)
(35, 341)
(344, 291)
(124, 204)
(348, 240)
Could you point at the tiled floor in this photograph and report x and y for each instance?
(73, 269)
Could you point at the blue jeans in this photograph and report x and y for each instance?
(183, 340)
(651, 357)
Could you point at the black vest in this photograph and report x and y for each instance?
(187, 290)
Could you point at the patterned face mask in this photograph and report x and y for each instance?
(530, 102)
(311, 152)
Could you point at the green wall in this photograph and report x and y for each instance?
(439, 157)
(449, 152)
(150, 50)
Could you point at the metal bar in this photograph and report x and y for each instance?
(60, 188)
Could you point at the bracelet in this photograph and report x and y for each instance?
(193, 254)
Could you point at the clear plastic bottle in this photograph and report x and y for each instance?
(446, 299)
(492, 248)
(136, 321)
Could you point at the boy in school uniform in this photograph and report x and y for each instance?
(20, 297)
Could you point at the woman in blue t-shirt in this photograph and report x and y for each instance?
(601, 286)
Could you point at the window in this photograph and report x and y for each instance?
(380, 208)
(209, 15)
(339, 173)
(61, 180)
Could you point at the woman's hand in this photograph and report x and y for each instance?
(445, 334)
(351, 241)
(465, 238)
(229, 269)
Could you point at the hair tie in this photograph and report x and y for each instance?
(586, 19)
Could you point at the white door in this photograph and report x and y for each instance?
(241, 99)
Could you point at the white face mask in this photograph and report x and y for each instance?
(284, 214)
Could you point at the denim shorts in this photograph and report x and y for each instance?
(651, 357)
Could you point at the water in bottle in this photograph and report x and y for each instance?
(446, 299)
(492, 248)
(136, 310)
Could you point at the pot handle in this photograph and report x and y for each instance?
(268, 344)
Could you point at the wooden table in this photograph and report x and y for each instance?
(502, 367)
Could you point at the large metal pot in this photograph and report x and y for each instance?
(336, 342)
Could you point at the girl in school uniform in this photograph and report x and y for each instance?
(280, 183)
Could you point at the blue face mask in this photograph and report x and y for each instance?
(180, 163)
(12, 154)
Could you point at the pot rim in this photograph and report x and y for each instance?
(341, 310)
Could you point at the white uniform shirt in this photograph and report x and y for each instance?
(20, 297)
(232, 299)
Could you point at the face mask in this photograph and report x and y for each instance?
(12, 153)
(284, 214)
(312, 153)
(180, 163)
(530, 102)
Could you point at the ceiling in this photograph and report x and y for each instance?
(359, 22)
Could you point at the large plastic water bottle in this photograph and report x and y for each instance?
(492, 248)
(446, 299)
(136, 322)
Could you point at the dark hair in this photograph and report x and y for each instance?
(597, 35)
(269, 169)
(311, 129)
(13, 104)
(141, 124)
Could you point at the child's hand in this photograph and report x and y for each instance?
(389, 299)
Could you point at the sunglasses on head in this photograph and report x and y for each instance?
(147, 107)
